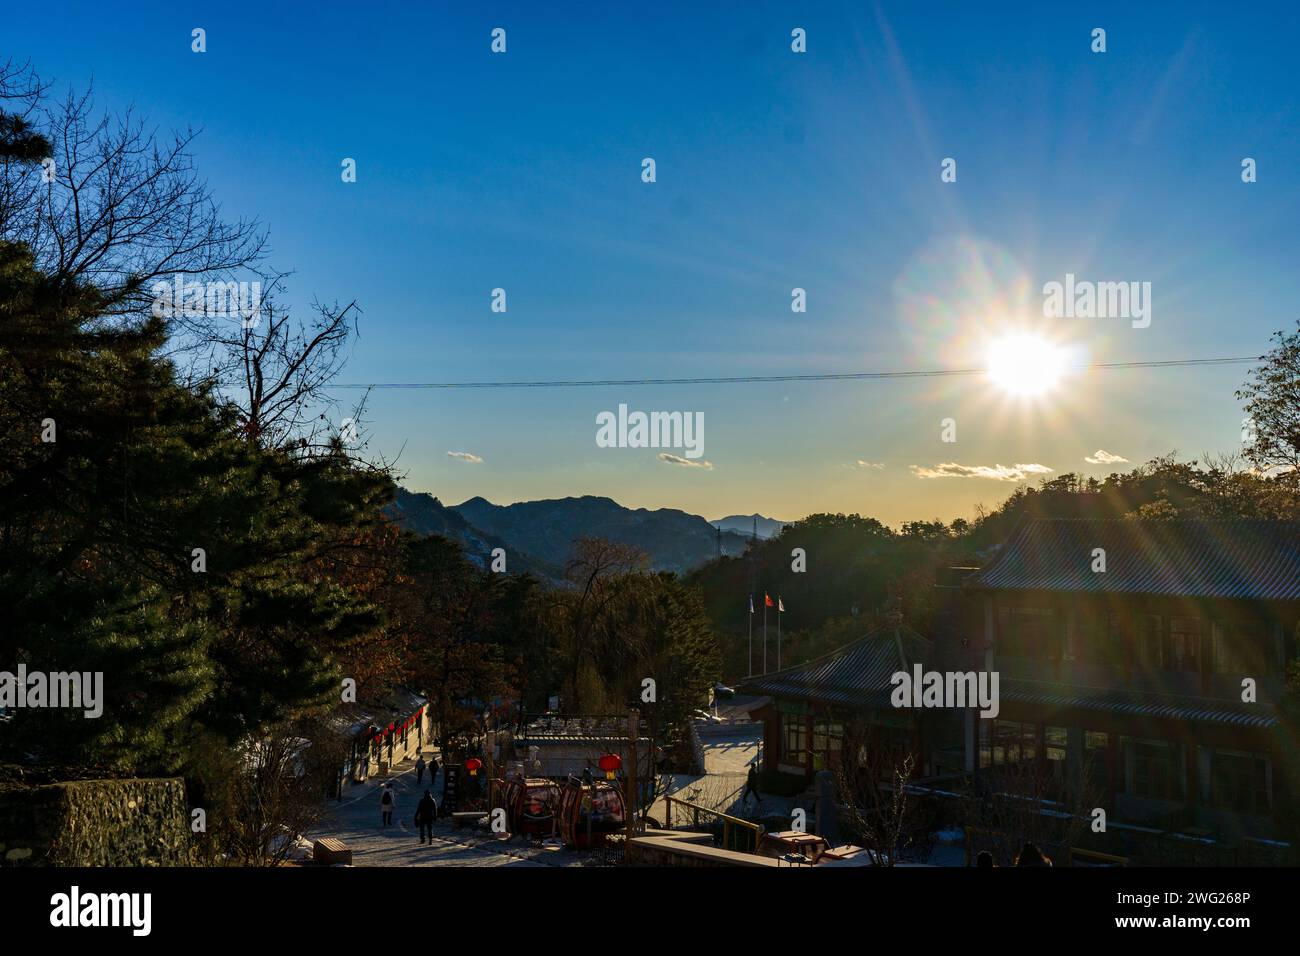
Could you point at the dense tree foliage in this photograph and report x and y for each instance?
(859, 568)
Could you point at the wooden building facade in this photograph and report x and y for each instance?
(1142, 662)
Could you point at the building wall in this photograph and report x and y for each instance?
(393, 749)
(1065, 656)
(1071, 647)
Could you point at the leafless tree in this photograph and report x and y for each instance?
(1014, 804)
(595, 612)
(120, 208)
(878, 808)
(276, 370)
(270, 791)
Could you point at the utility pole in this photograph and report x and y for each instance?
(633, 722)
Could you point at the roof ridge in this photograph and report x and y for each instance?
(841, 650)
(1131, 691)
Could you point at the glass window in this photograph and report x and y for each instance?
(606, 807)
(1240, 782)
(1096, 746)
(795, 739)
(1116, 646)
(1054, 747)
(1141, 632)
(1007, 742)
(1054, 742)
(1239, 647)
(1148, 645)
(1153, 769)
(1184, 644)
(828, 737)
(1028, 741)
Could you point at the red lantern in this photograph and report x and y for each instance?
(472, 765)
(610, 763)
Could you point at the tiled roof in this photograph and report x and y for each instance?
(1257, 560)
(855, 674)
(1137, 704)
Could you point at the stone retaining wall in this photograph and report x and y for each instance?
(96, 823)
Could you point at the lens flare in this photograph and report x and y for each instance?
(1025, 366)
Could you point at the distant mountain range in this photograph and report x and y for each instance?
(538, 535)
(744, 524)
(424, 514)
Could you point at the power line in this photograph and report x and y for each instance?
(752, 379)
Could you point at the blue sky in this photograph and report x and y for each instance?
(774, 170)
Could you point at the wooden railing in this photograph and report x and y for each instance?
(731, 826)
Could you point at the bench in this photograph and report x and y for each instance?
(331, 852)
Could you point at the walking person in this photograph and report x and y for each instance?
(425, 813)
(419, 770)
(751, 786)
(386, 802)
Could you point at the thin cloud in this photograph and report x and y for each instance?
(686, 462)
(465, 456)
(1102, 457)
(950, 469)
(860, 465)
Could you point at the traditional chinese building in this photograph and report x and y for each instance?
(818, 708)
(1143, 661)
(1141, 668)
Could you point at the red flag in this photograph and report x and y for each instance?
(767, 600)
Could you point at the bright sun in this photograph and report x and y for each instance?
(1025, 365)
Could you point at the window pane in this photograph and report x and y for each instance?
(1028, 741)
(1239, 782)
(1155, 769)
(1184, 644)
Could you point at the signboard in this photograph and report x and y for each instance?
(450, 789)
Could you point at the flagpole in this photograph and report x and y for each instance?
(764, 632)
(778, 632)
(749, 661)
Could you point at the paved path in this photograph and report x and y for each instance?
(356, 821)
(727, 759)
(730, 754)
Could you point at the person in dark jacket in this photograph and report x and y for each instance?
(386, 802)
(419, 770)
(425, 812)
(751, 786)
